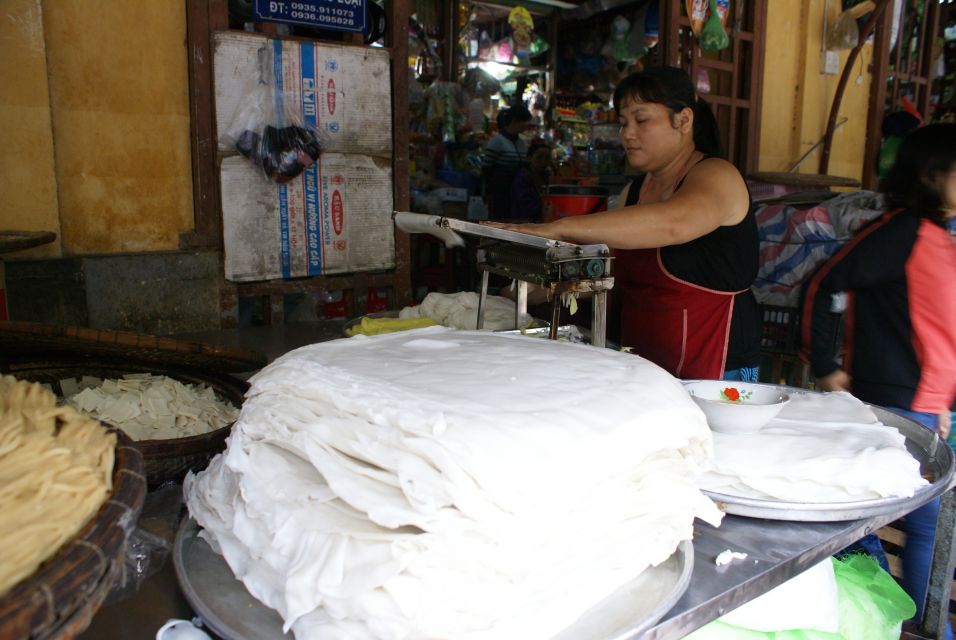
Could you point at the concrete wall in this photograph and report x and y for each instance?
(27, 173)
(156, 293)
(94, 106)
(798, 95)
(94, 115)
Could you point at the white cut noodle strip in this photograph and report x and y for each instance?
(149, 407)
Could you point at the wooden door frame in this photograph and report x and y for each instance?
(203, 19)
(674, 28)
(880, 72)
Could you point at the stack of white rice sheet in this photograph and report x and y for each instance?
(452, 484)
(460, 311)
(820, 448)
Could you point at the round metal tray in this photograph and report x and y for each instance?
(936, 464)
(216, 595)
(230, 612)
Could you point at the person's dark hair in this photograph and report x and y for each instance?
(923, 155)
(672, 88)
(517, 113)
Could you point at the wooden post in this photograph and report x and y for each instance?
(398, 13)
(877, 15)
(203, 17)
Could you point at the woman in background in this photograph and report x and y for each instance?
(900, 276)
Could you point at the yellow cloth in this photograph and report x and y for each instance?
(374, 326)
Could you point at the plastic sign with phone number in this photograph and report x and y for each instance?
(342, 15)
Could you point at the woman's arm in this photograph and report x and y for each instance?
(713, 194)
(932, 308)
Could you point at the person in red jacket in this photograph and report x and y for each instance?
(685, 237)
(899, 274)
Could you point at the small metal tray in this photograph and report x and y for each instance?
(230, 611)
(936, 464)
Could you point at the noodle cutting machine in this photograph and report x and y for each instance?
(562, 268)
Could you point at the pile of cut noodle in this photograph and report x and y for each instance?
(452, 484)
(56, 470)
(151, 407)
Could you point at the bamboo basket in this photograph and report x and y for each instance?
(164, 460)
(48, 353)
(58, 601)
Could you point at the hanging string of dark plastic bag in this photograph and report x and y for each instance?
(282, 153)
(279, 144)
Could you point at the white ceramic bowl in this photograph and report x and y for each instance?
(736, 407)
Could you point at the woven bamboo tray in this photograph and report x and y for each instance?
(164, 460)
(58, 601)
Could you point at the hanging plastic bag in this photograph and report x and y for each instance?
(278, 143)
(617, 45)
(522, 33)
(845, 34)
(699, 10)
(712, 36)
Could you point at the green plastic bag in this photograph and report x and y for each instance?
(870, 603)
(887, 155)
(712, 36)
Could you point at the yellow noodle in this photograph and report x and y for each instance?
(56, 470)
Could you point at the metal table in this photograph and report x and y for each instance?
(782, 549)
(778, 550)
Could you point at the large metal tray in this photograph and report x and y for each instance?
(936, 464)
(230, 612)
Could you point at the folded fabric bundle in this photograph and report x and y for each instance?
(452, 484)
(820, 448)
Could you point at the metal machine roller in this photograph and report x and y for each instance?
(562, 268)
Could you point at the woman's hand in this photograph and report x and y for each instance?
(942, 427)
(839, 380)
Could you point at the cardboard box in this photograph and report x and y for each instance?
(334, 218)
(344, 92)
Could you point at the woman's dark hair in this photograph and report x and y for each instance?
(672, 88)
(535, 145)
(924, 154)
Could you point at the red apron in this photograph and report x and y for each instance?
(681, 326)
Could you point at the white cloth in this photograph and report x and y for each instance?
(451, 484)
(821, 448)
(460, 311)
